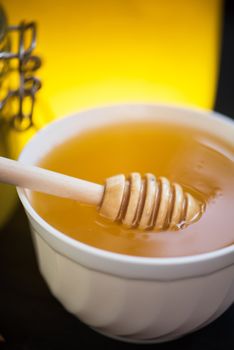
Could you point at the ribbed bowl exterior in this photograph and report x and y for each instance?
(133, 309)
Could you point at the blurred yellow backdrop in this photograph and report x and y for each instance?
(98, 52)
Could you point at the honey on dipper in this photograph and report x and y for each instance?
(192, 171)
(149, 203)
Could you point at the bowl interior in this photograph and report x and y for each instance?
(62, 129)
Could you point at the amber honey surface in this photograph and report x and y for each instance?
(202, 164)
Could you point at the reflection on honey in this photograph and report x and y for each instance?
(199, 162)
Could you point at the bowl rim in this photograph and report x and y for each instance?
(119, 257)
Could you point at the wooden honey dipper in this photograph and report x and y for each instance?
(136, 202)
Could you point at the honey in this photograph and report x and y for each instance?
(198, 161)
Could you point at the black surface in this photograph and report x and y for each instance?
(31, 319)
(225, 92)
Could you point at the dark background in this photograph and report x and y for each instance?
(31, 319)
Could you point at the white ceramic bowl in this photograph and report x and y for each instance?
(131, 298)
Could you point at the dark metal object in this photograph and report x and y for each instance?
(26, 64)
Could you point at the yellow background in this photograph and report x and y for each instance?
(107, 51)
